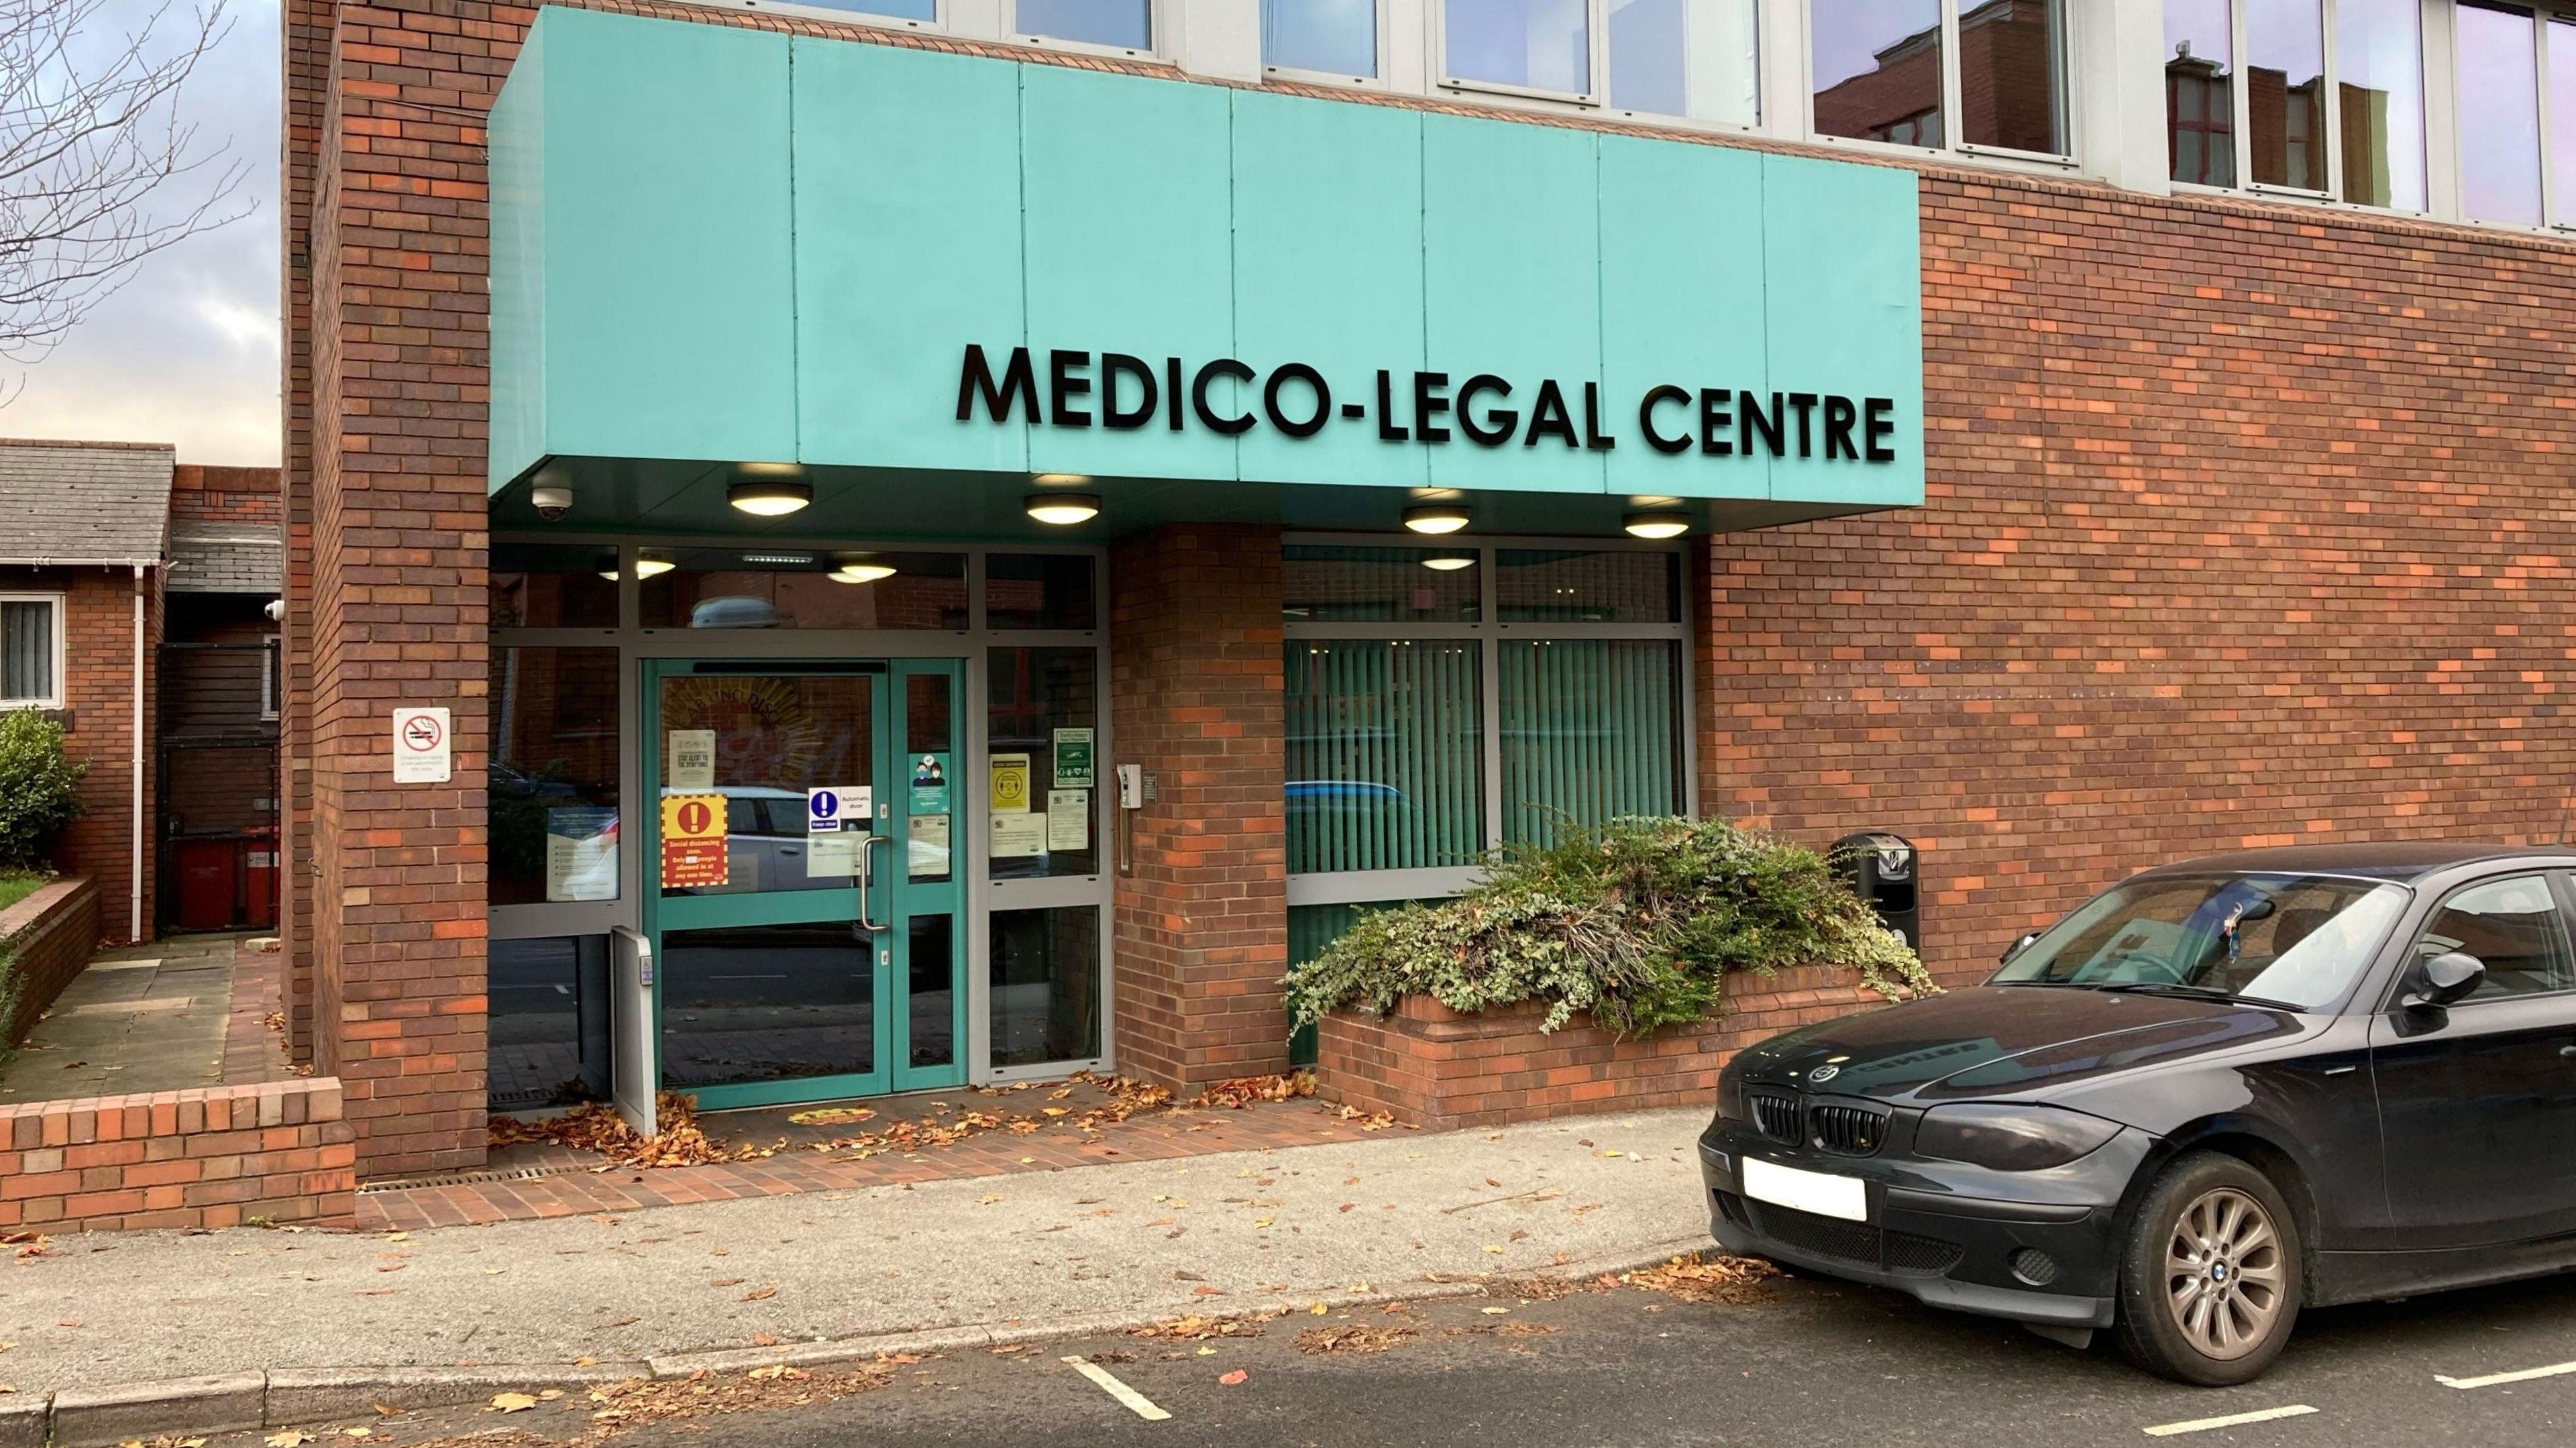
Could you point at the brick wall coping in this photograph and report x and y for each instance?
(206, 1157)
(30, 915)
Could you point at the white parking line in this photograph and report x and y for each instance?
(2202, 1425)
(1136, 1402)
(2491, 1379)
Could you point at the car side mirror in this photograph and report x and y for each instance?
(2017, 947)
(2447, 978)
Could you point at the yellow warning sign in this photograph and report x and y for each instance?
(1007, 779)
(693, 841)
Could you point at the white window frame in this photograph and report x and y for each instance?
(1490, 632)
(2557, 212)
(2435, 67)
(2069, 47)
(1385, 40)
(269, 663)
(1158, 29)
(1596, 100)
(56, 602)
(938, 24)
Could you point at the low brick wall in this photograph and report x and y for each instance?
(46, 938)
(1427, 1065)
(217, 1157)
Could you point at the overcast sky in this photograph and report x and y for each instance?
(186, 353)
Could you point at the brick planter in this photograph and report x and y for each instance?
(215, 1157)
(46, 939)
(1427, 1065)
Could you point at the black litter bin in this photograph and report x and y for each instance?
(1881, 869)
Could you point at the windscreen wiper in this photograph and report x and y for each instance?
(2185, 991)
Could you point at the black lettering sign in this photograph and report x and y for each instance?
(1124, 392)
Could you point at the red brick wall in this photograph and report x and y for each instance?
(400, 373)
(2245, 526)
(98, 720)
(45, 939)
(304, 43)
(214, 1157)
(203, 493)
(1427, 1065)
(1201, 930)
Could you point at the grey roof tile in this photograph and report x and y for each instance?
(209, 557)
(76, 502)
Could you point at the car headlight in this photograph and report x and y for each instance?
(2010, 1138)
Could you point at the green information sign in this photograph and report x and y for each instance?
(1073, 767)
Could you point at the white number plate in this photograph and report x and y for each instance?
(1807, 1191)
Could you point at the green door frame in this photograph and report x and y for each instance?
(892, 897)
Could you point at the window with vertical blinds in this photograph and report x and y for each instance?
(1590, 732)
(1385, 761)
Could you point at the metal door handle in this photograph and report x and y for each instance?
(867, 876)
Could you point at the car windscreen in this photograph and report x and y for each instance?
(2296, 939)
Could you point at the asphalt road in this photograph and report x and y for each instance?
(1818, 1365)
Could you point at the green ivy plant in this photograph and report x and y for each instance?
(39, 788)
(1636, 922)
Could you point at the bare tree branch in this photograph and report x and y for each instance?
(97, 170)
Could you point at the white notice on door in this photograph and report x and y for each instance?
(1068, 819)
(689, 762)
(834, 856)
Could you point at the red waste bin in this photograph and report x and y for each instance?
(209, 883)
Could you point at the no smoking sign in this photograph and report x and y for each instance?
(423, 746)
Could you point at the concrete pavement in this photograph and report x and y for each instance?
(1225, 1232)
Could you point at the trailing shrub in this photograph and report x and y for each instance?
(1636, 922)
(38, 788)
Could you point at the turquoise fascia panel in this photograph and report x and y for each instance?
(907, 248)
(1843, 252)
(720, 244)
(518, 182)
(1682, 302)
(1328, 273)
(670, 281)
(1511, 287)
(1126, 248)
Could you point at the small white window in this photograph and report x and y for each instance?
(1984, 75)
(31, 650)
(1336, 38)
(1126, 25)
(1693, 59)
(2324, 98)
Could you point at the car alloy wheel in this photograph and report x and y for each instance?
(2224, 1273)
(2211, 1272)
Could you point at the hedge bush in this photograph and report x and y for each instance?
(1637, 922)
(39, 788)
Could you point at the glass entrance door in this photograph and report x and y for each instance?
(803, 908)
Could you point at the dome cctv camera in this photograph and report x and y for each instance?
(551, 503)
(276, 610)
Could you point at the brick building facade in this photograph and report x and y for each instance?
(2239, 525)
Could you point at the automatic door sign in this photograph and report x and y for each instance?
(693, 841)
(839, 807)
(422, 748)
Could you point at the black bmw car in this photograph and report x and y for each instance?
(2218, 1092)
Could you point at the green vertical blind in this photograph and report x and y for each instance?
(1310, 929)
(1385, 764)
(1590, 731)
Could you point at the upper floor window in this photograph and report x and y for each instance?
(1692, 58)
(31, 650)
(1980, 74)
(1327, 37)
(2517, 115)
(1119, 24)
(2268, 122)
(918, 11)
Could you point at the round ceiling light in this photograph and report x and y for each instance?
(1449, 562)
(652, 565)
(769, 490)
(1436, 517)
(1063, 510)
(1657, 525)
(861, 568)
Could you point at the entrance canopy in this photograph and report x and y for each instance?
(929, 278)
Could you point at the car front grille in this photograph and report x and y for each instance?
(1847, 1130)
(1777, 1117)
(1857, 1242)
